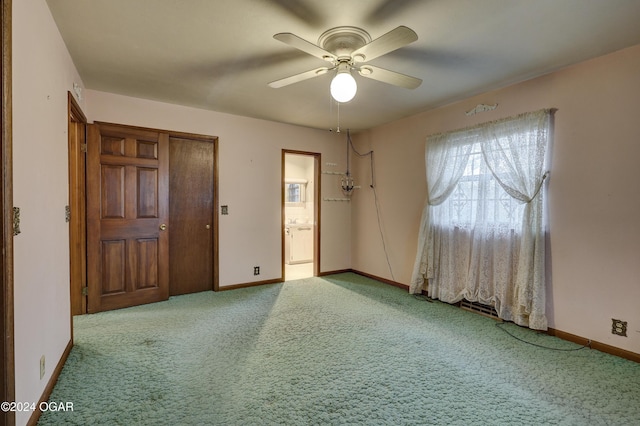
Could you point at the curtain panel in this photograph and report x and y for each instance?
(481, 235)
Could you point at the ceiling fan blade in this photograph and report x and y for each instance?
(299, 77)
(386, 43)
(389, 77)
(307, 47)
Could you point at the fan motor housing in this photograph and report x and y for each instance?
(342, 41)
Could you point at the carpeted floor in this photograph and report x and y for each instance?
(341, 350)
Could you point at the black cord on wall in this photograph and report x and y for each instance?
(375, 196)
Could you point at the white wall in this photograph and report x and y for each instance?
(594, 190)
(249, 180)
(42, 74)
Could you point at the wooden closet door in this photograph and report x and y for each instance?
(127, 216)
(191, 195)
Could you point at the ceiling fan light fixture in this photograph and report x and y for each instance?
(343, 86)
(347, 48)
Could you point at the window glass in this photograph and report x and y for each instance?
(295, 192)
(478, 198)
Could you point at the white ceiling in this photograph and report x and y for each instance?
(220, 54)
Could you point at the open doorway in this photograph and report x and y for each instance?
(300, 214)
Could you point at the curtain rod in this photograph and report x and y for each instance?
(550, 111)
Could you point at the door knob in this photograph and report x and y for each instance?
(163, 227)
(207, 226)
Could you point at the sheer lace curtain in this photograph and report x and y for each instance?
(481, 236)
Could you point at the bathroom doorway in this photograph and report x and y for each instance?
(300, 214)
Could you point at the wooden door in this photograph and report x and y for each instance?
(127, 216)
(191, 195)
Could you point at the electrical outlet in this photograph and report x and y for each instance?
(618, 327)
(42, 367)
(256, 270)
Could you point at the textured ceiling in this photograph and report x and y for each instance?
(220, 54)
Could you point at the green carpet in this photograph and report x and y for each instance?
(342, 349)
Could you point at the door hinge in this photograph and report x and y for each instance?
(85, 291)
(83, 148)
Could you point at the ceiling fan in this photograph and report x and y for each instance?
(346, 49)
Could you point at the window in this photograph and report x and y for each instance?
(295, 192)
(482, 237)
(479, 196)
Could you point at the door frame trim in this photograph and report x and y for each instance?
(77, 198)
(7, 347)
(317, 161)
(216, 181)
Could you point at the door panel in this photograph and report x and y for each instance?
(127, 202)
(112, 192)
(147, 193)
(113, 276)
(147, 257)
(191, 184)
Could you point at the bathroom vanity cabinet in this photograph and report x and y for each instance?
(298, 243)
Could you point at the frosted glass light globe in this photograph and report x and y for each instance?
(343, 87)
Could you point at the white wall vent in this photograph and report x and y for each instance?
(479, 308)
